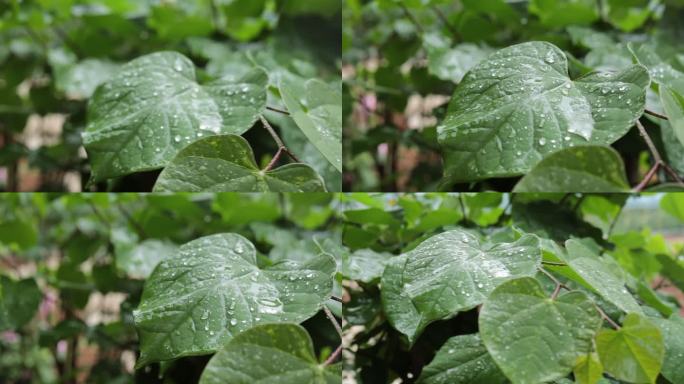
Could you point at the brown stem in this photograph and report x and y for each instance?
(333, 320)
(649, 175)
(649, 142)
(606, 318)
(338, 299)
(559, 285)
(658, 160)
(278, 110)
(554, 263)
(656, 114)
(279, 142)
(333, 356)
(556, 291)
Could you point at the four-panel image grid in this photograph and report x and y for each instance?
(341, 191)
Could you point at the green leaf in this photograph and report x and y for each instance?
(588, 370)
(600, 276)
(586, 168)
(449, 273)
(316, 107)
(555, 13)
(19, 301)
(139, 260)
(18, 234)
(535, 339)
(226, 164)
(269, 353)
(672, 330)
(153, 107)
(365, 265)
(673, 103)
(633, 353)
(449, 63)
(628, 15)
(462, 360)
(519, 105)
(673, 203)
(213, 289)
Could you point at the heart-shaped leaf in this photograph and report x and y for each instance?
(19, 301)
(153, 107)
(316, 107)
(586, 168)
(519, 105)
(633, 353)
(599, 276)
(269, 353)
(448, 273)
(535, 339)
(462, 360)
(213, 289)
(588, 370)
(226, 164)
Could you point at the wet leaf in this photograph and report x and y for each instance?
(519, 105)
(449, 273)
(633, 353)
(365, 265)
(587, 168)
(535, 339)
(462, 360)
(19, 302)
(449, 63)
(139, 260)
(269, 353)
(226, 164)
(213, 289)
(154, 107)
(672, 330)
(316, 107)
(673, 103)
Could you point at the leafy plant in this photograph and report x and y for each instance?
(520, 288)
(135, 83)
(466, 96)
(170, 288)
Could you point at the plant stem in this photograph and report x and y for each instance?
(281, 146)
(445, 21)
(134, 224)
(649, 175)
(658, 160)
(410, 16)
(557, 264)
(333, 320)
(338, 299)
(606, 318)
(615, 219)
(278, 110)
(553, 278)
(651, 147)
(333, 356)
(656, 114)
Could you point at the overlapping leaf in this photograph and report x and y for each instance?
(226, 164)
(213, 289)
(519, 105)
(154, 106)
(448, 273)
(535, 339)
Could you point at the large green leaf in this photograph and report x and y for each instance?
(316, 107)
(449, 63)
(18, 234)
(213, 289)
(226, 164)
(535, 339)
(139, 260)
(600, 276)
(633, 353)
(559, 13)
(672, 330)
(19, 301)
(269, 353)
(153, 107)
(519, 105)
(448, 273)
(462, 360)
(586, 168)
(673, 103)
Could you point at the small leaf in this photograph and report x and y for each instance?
(153, 107)
(535, 339)
(578, 169)
(519, 105)
(316, 107)
(213, 289)
(449, 63)
(269, 353)
(673, 103)
(365, 265)
(588, 370)
(449, 273)
(19, 302)
(633, 353)
(462, 360)
(139, 260)
(226, 164)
